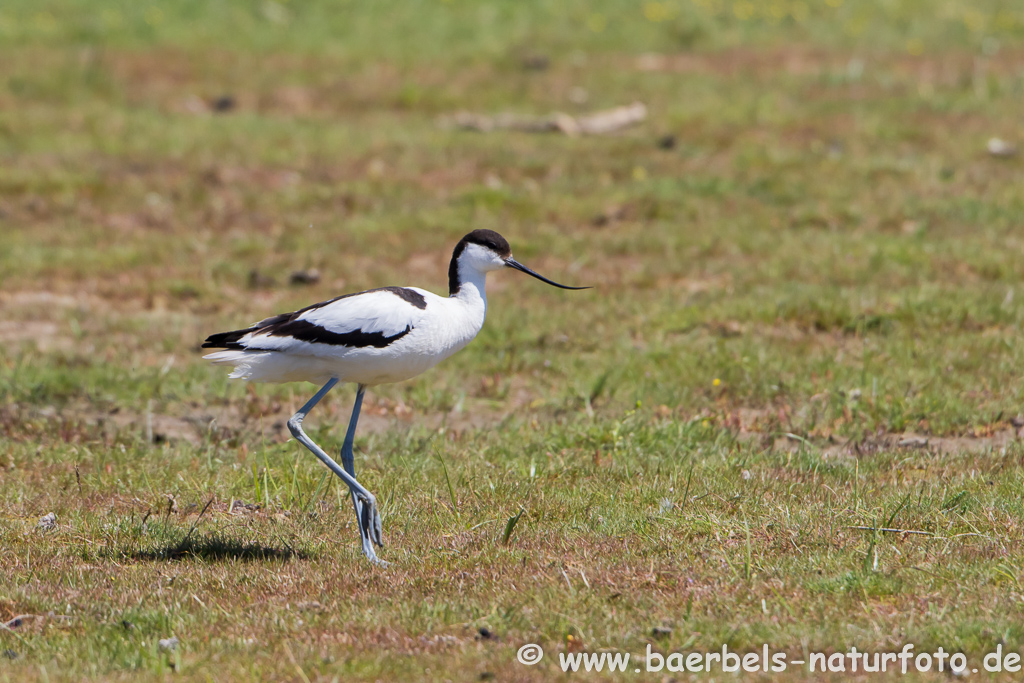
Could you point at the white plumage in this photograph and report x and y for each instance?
(374, 337)
(435, 332)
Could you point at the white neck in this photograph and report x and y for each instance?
(471, 286)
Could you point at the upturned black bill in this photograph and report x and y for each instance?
(512, 263)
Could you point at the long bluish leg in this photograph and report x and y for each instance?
(347, 458)
(348, 462)
(369, 522)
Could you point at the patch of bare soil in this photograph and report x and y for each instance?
(194, 424)
(950, 67)
(45, 335)
(731, 63)
(888, 443)
(764, 426)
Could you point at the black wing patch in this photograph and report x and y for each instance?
(227, 340)
(408, 295)
(288, 325)
(303, 330)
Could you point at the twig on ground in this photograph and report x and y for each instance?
(892, 531)
(597, 123)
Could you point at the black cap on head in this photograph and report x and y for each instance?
(496, 243)
(489, 239)
(485, 238)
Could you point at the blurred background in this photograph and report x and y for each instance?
(175, 168)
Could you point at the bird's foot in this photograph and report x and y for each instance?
(370, 530)
(369, 520)
(371, 555)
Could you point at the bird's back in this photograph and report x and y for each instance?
(372, 337)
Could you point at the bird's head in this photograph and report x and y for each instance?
(485, 251)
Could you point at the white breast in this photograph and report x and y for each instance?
(446, 326)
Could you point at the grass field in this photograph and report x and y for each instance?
(804, 327)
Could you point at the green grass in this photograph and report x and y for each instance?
(824, 263)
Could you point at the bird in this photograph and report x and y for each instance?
(368, 338)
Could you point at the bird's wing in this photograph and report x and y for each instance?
(375, 318)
